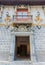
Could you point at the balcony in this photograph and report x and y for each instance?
(22, 19)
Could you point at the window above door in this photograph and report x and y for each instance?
(22, 14)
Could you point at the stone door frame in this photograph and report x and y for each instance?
(14, 34)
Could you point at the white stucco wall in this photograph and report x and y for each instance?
(40, 43)
(5, 42)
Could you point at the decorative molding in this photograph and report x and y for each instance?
(22, 28)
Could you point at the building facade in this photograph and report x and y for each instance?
(22, 33)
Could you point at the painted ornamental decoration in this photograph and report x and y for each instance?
(21, 14)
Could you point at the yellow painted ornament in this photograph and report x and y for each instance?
(37, 19)
(7, 19)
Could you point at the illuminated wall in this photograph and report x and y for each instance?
(7, 17)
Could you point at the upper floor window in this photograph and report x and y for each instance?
(22, 14)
